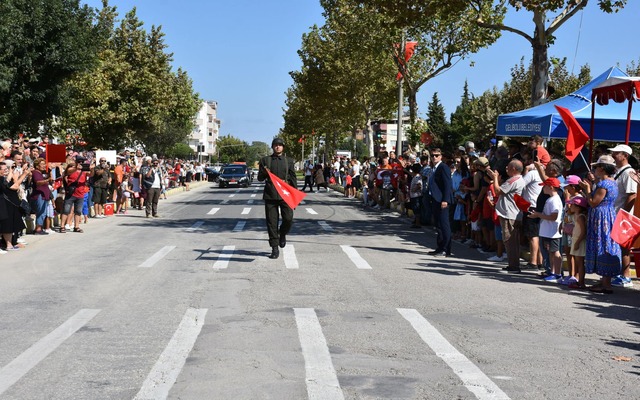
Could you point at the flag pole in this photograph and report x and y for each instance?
(400, 96)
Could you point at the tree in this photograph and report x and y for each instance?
(42, 44)
(543, 35)
(461, 119)
(230, 149)
(132, 97)
(437, 121)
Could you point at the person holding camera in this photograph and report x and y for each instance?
(75, 187)
(151, 175)
(101, 183)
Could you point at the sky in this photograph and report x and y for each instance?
(239, 53)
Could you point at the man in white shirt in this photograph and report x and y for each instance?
(627, 188)
(531, 227)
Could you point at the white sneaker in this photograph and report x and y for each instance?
(3, 251)
(495, 258)
(50, 231)
(21, 241)
(67, 227)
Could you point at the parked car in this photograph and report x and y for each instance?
(234, 175)
(212, 173)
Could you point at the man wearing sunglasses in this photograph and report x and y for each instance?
(441, 192)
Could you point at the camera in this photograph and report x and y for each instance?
(85, 167)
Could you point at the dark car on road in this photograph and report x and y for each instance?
(234, 175)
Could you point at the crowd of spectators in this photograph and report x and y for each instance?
(565, 223)
(44, 198)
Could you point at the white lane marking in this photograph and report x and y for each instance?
(250, 202)
(472, 377)
(322, 381)
(311, 211)
(164, 373)
(22, 364)
(253, 195)
(156, 257)
(246, 211)
(213, 211)
(195, 226)
(226, 201)
(239, 226)
(232, 195)
(290, 259)
(224, 257)
(355, 258)
(325, 226)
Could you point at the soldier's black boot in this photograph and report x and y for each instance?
(275, 252)
(283, 240)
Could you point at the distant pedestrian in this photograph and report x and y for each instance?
(152, 181)
(281, 166)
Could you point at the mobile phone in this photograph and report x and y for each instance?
(85, 167)
(535, 155)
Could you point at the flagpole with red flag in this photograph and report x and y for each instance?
(576, 136)
(289, 194)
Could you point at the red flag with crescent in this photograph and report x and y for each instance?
(576, 136)
(626, 228)
(289, 194)
(409, 49)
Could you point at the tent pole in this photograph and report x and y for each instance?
(593, 116)
(626, 139)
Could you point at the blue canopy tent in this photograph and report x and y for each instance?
(610, 123)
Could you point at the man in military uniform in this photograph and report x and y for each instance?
(281, 166)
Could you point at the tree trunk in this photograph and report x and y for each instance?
(540, 61)
(368, 134)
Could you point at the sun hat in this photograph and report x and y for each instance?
(605, 159)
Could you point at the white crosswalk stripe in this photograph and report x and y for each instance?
(311, 211)
(166, 370)
(21, 365)
(213, 211)
(290, 259)
(151, 261)
(224, 257)
(355, 257)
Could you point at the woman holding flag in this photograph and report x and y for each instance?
(280, 194)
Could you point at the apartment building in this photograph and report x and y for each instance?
(205, 133)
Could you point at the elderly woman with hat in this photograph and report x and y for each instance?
(603, 255)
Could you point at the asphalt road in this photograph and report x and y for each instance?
(188, 306)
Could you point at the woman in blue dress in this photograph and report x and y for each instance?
(603, 255)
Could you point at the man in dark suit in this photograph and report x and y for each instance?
(441, 192)
(281, 166)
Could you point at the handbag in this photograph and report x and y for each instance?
(24, 206)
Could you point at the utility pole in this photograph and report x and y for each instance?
(402, 66)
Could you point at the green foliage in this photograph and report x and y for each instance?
(180, 150)
(230, 149)
(437, 122)
(132, 96)
(42, 44)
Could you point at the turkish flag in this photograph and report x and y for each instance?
(626, 229)
(56, 153)
(409, 49)
(301, 140)
(521, 203)
(289, 194)
(576, 138)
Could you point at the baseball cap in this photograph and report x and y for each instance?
(493, 141)
(579, 201)
(572, 180)
(623, 148)
(553, 182)
(482, 161)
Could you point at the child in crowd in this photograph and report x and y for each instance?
(126, 189)
(571, 190)
(460, 212)
(348, 182)
(415, 194)
(550, 219)
(579, 208)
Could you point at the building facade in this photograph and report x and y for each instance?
(206, 131)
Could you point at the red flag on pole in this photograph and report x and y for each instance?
(626, 228)
(301, 140)
(409, 49)
(289, 194)
(576, 138)
(56, 153)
